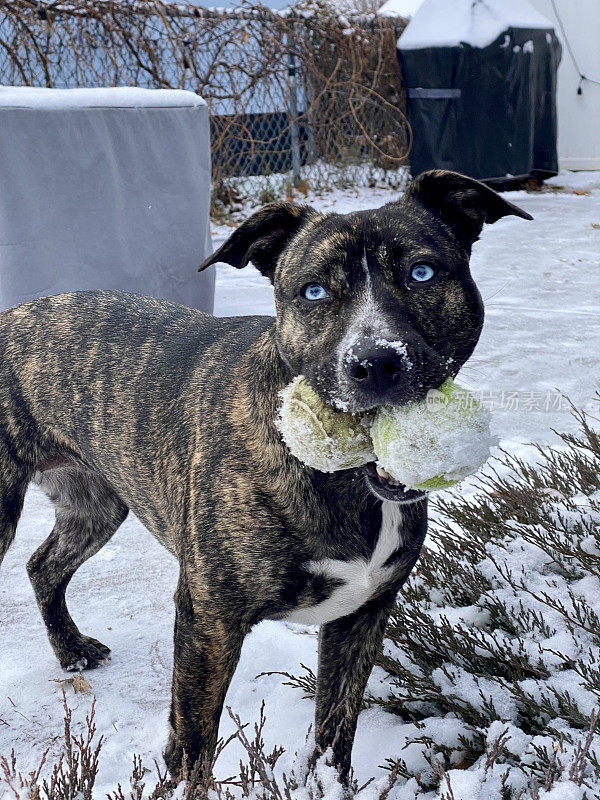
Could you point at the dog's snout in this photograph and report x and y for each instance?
(376, 370)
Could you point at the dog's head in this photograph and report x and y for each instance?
(374, 306)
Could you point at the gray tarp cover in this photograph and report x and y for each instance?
(104, 189)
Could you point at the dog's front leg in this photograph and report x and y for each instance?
(207, 650)
(347, 650)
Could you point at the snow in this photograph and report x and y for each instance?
(118, 97)
(542, 333)
(576, 180)
(449, 23)
(399, 8)
(399, 347)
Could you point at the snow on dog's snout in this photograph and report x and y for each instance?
(376, 360)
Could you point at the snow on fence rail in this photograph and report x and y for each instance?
(306, 92)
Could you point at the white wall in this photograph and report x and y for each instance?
(578, 115)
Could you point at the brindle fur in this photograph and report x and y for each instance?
(115, 402)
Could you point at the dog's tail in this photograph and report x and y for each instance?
(7, 534)
(14, 474)
(12, 495)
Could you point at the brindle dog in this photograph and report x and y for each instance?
(116, 402)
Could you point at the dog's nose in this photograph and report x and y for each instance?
(377, 370)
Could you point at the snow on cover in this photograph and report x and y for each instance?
(116, 97)
(448, 23)
(399, 8)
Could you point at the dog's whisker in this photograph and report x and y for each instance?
(501, 289)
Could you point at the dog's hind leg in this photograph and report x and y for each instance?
(88, 512)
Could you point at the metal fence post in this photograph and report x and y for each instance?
(293, 108)
(308, 123)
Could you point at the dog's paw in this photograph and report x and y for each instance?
(173, 756)
(187, 764)
(86, 653)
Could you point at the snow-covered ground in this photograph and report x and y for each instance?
(542, 335)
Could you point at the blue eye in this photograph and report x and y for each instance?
(314, 291)
(422, 273)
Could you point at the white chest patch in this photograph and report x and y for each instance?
(360, 578)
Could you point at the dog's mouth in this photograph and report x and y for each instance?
(385, 487)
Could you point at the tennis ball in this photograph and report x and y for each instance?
(434, 443)
(319, 435)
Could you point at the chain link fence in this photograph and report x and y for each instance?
(311, 97)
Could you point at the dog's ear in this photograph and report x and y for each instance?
(464, 203)
(262, 237)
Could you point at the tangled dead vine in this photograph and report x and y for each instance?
(312, 90)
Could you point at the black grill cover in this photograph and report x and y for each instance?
(487, 112)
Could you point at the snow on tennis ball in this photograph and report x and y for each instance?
(434, 443)
(319, 435)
